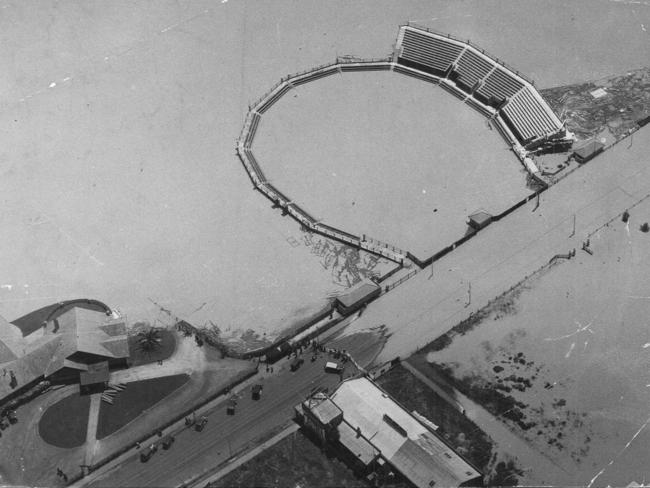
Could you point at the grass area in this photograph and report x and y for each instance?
(167, 346)
(64, 424)
(294, 461)
(136, 398)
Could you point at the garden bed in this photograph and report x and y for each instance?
(135, 399)
(64, 424)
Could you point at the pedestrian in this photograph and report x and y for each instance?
(159, 433)
(137, 445)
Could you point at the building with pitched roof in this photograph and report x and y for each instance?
(78, 344)
(375, 432)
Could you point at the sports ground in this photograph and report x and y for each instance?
(120, 179)
(388, 156)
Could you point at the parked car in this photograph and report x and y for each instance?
(146, 454)
(296, 363)
(230, 408)
(200, 425)
(168, 441)
(331, 367)
(256, 392)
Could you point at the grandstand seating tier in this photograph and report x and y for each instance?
(500, 84)
(434, 52)
(472, 67)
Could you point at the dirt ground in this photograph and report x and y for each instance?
(608, 106)
(568, 358)
(405, 162)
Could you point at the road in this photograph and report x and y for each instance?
(195, 453)
(499, 256)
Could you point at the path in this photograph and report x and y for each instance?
(187, 357)
(498, 431)
(91, 431)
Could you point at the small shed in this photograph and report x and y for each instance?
(479, 220)
(588, 151)
(357, 296)
(277, 352)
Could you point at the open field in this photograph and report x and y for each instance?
(565, 360)
(388, 156)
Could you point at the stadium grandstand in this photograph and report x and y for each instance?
(509, 101)
(468, 71)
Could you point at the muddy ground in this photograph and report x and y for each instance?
(563, 360)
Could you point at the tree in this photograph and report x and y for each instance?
(149, 340)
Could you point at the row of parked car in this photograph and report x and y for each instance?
(149, 451)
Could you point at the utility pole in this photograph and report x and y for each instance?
(574, 226)
(469, 294)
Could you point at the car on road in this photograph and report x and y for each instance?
(200, 425)
(146, 454)
(296, 363)
(168, 441)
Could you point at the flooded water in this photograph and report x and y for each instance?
(573, 349)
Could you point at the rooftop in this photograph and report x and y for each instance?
(357, 292)
(49, 348)
(413, 449)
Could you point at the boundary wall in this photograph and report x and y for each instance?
(259, 180)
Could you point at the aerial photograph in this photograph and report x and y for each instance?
(325, 243)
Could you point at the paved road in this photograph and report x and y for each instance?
(194, 453)
(428, 305)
